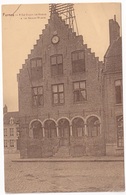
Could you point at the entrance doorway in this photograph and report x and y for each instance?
(64, 132)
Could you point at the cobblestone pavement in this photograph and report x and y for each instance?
(63, 176)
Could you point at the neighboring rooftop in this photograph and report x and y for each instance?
(14, 116)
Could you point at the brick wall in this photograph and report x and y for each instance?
(44, 48)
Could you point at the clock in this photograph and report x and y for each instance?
(55, 39)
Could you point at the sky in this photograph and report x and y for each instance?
(20, 32)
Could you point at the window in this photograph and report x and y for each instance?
(120, 142)
(5, 132)
(78, 61)
(12, 143)
(37, 95)
(118, 91)
(5, 143)
(36, 68)
(58, 94)
(11, 121)
(11, 132)
(79, 91)
(56, 65)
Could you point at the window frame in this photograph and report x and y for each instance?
(56, 65)
(58, 94)
(11, 132)
(5, 132)
(38, 95)
(11, 143)
(121, 94)
(79, 89)
(78, 61)
(36, 66)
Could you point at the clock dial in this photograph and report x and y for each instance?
(55, 39)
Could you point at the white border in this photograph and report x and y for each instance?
(4, 2)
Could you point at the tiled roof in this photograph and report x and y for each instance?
(113, 57)
(8, 115)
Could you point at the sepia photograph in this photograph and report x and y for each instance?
(63, 97)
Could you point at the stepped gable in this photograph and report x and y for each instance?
(59, 23)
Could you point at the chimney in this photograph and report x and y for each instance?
(5, 109)
(114, 30)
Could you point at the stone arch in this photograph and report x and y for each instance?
(35, 129)
(50, 128)
(92, 116)
(78, 117)
(49, 119)
(93, 126)
(33, 121)
(78, 127)
(64, 118)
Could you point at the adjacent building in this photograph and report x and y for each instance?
(112, 92)
(70, 103)
(11, 131)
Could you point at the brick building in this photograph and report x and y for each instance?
(112, 87)
(11, 131)
(61, 89)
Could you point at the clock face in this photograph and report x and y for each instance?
(55, 39)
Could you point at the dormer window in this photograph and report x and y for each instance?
(11, 121)
(78, 61)
(36, 68)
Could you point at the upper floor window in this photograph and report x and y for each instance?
(118, 91)
(78, 61)
(37, 96)
(79, 92)
(36, 68)
(56, 65)
(58, 94)
(11, 132)
(5, 132)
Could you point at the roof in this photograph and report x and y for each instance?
(113, 56)
(115, 48)
(9, 115)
